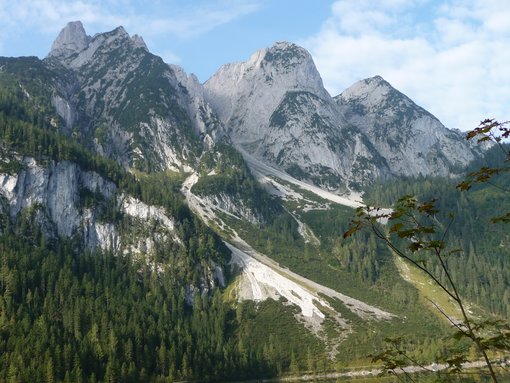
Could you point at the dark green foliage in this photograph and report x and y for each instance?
(26, 131)
(104, 318)
(481, 270)
(359, 267)
(77, 317)
(424, 235)
(286, 340)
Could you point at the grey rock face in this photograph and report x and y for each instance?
(72, 39)
(139, 42)
(55, 193)
(140, 111)
(244, 95)
(411, 139)
(128, 104)
(54, 189)
(275, 107)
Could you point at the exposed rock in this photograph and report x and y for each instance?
(233, 206)
(144, 212)
(72, 39)
(55, 192)
(139, 42)
(128, 104)
(64, 110)
(205, 121)
(411, 140)
(275, 107)
(244, 95)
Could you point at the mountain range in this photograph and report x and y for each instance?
(241, 184)
(274, 106)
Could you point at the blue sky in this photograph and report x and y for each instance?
(450, 56)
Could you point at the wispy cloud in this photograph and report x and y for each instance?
(200, 19)
(152, 19)
(453, 62)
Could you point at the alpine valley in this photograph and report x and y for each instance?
(153, 228)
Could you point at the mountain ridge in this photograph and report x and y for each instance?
(218, 192)
(274, 106)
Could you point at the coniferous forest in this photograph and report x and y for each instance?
(171, 309)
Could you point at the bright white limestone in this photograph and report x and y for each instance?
(262, 278)
(261, 282)
(140, 210)
(261, 169)
(54, 190)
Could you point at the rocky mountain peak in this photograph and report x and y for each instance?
(286, 54)
(74, 48)
(294, 65)
(411, 140)
(119, 31)
(372, 89)
(249, 91)
(376, 95)
(139, 42)
(71, 39)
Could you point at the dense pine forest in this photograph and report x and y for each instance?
(69, 313)
(481, 268)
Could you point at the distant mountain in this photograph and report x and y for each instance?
(410, 139)
(217, 213)
(275, 106)
(127, 103)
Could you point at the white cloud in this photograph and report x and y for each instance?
(49, 16)
(198, 20)
(455, 64)
(150, 19)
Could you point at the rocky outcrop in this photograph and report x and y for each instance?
(71, 40)
(233, 206)
(244, 95)
(127, 104)
(276, 108)
(56, 194)
(410, 139)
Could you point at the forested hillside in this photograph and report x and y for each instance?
(69, 313)
(482, 268)
(138, 243)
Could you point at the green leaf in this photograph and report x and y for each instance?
(354, 227)
(502, 219)
(406, 233)
(396, 227)
(415, 246)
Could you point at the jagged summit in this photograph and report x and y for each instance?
(273, 105)
(286, 54)
(411, 139)
(152, 115)
(276, 108)
(139, 42)
(73, 47)
(245, 94)
(119, 31)
(374, 92)
(71, 39)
